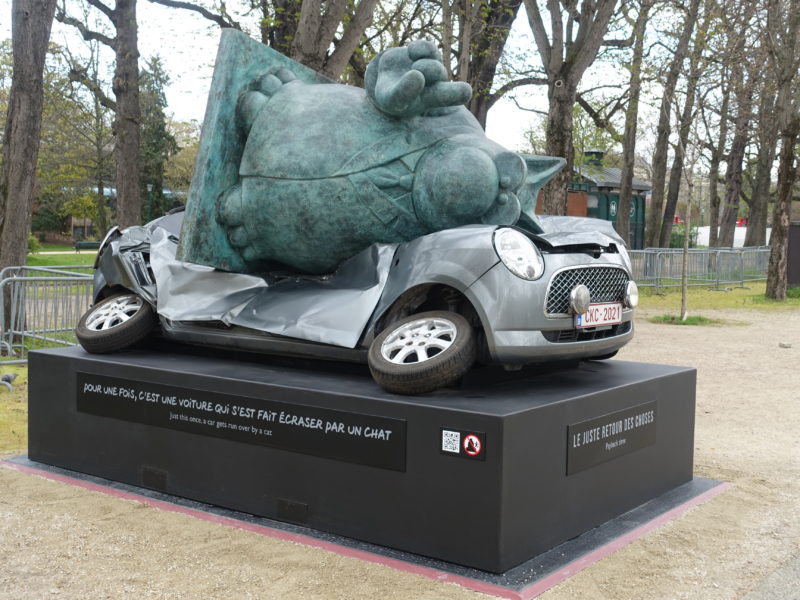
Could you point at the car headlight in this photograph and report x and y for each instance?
(631, 295)
(579, 299)
(518, 253)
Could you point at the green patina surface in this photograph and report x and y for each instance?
(239, 61)
(296, 170)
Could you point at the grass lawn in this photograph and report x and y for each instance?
(14, 411)
(701, 298)
(56, 260)
(690, 320)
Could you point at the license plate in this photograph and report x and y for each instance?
(600, 314)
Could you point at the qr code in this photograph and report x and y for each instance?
(451, 441)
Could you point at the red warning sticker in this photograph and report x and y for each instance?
(472, 445)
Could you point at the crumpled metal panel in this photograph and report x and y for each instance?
(569, 231)
(331, 309)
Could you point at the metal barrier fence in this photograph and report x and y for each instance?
(39, 308)
(711, 267)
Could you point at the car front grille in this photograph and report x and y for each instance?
(606, 284)
(585, 335)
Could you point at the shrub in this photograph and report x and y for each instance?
(33, 244)
(676, 239)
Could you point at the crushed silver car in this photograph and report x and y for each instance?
(419, 313)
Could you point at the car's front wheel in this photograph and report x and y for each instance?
(423, 352)
(115, 323)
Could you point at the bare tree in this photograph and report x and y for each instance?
(126, 91)
(316, 31)
(320, 34)
(783, 25)
(685, 121)
(654, 218)
(787, 174)
(767, 133)
(743, 93)
(566, 48)
(717, 154)
(31, 21)
(631, 120)
(484, 27)
(739, 66)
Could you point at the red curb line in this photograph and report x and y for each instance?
(584, 561)
(527, 593)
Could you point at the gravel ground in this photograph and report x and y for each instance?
(61, 541)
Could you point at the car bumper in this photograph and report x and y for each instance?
(517, 330)
(523, 346)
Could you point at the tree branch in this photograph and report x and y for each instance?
(329, 22)
(556, 27)
(79, 75)
(533, 110)
(590, 33)
(626, 43)
(224, 20)
(349, 42)
(504, 89)
(85, 32)
(107, 11)
(598, 119)
(539, 33)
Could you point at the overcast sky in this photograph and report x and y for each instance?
(187, 45)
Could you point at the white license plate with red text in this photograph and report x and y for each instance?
(600, 314)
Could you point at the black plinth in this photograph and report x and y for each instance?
(485, 476)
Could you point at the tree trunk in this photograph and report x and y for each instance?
(623, 224)
(354, 28)
(316, 31)
(779, 240)
(31, 21)
(733, 174)
(559, 143)
(487, 50)
(713, 173)
(447, 36)
(654, 216)
(466, 23)
(128, 116)
(99, 152)
(685, 126)
(783, 29)
(768, 141)
(687, 233)
(279, 30)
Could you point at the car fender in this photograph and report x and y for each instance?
(454, 257)
(117, 266)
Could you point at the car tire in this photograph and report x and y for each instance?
(115, 323)
(423, 352)
(605, 356)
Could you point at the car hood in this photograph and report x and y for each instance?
(577, 231)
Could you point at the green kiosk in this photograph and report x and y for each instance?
(601, 185)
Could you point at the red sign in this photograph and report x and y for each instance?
(472, 445)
